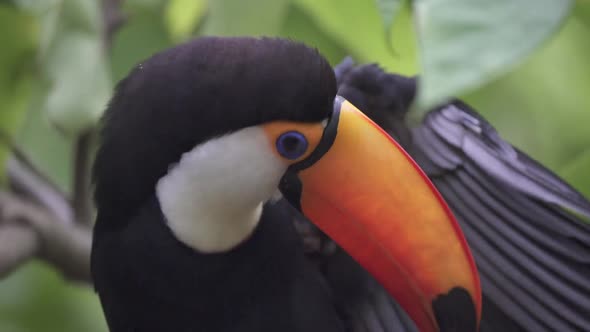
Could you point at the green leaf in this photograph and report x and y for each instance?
(80, 81)
(542, 106)
(139, 37)
(73, 61)
(58, 15)
(582, 11)
(144, 4)
(84, 15)
(244, 18)
(46, 147)
(183, 16)
(466, 43)
(578, 173)
(388, 10)
(357, 26)
(299, 26)
(18, 37)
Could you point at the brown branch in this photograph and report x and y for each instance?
(36, 220)
(113, 20)
(22, 157)
(18, 244)
(81, 191)
(29, 230)
(30, 184)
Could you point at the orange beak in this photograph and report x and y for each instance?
(369, 196)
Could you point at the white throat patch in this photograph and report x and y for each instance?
(212, 198)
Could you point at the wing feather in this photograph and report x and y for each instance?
(514, 214)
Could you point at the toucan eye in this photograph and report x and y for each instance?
(291, 145)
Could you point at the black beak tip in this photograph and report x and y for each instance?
(455, 311)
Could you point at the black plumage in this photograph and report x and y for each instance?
(149, 281)
(532, 253)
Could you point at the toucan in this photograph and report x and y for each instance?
(209, 149)
(523, 223)
(533, 255)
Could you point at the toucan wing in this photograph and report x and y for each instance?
(532, 252)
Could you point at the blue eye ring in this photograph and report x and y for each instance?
(292, 145)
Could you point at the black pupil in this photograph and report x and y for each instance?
(291, 143)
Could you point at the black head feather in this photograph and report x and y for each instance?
(383, 97)
(185, 95)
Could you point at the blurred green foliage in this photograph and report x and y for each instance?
(18, 37)
(56, 75)
(464, 43)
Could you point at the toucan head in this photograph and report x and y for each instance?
(218, 127)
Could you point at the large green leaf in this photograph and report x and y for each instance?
(299, 26)
(183, 16)
(389, 10)
(18, 37)
(466, 43)
(73, 61)
(358, 26)
(543, 105)
(144, 33)
(582, 11)
(48, 149)
(80, 81)
(57, 16)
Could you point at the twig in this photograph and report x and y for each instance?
(28, 183)
(81, 193)
(113, 20)
(22, 157)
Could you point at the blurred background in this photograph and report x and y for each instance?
(60, 59)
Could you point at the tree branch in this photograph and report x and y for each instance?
(23, 159)
(28, 183)
(27, 230)
(36, 220)
(113, 20)
(18, 244)
(81, 192)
